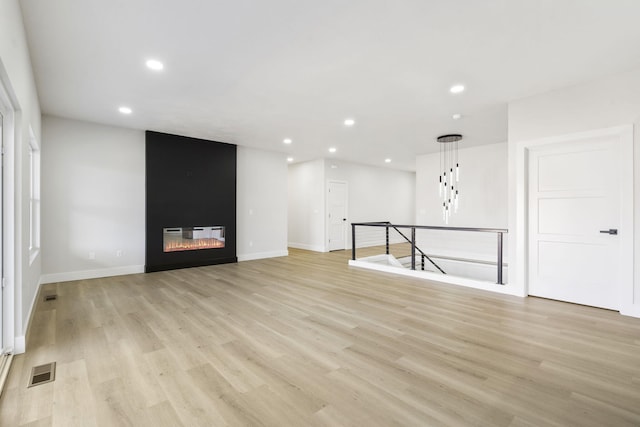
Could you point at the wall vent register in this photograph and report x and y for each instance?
(42, 374)
(177, 239)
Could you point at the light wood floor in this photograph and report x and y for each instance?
(306, 340)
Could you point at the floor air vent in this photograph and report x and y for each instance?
(51, 297)
(42, 374)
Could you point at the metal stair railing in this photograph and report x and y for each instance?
(413, 256)
(387, 224)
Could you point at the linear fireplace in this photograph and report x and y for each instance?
(192, 238)
(190, 202)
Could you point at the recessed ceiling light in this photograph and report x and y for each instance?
(457, 89)
(289, 159)
(387, 160)
(349, 122)
(287, 141)
(332, 150)
(125, 110)
(155, 65)
(334, 166)
(456, 116)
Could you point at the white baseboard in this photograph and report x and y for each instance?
(632, 310)
(306, 247)
(19, 345)
(262, 255)
(5, 366)
(91, 274)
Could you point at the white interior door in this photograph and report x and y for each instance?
(337, 215)
(574, 200)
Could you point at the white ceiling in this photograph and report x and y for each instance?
(253, 72)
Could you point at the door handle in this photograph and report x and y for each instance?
(613, 231)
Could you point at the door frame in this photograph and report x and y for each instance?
(519, 215)
(8, 103)
(327, 219)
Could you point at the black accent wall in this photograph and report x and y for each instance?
(189, 182)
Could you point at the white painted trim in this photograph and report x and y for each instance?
(518, 208)
(517, 247)
(436, 277)
(262, 255)
(34, 186)
(306, 247)
(5, 367)
(627, 222)
(11, 302)
(91, 274)
(632, 310)
(20, 344)
(33, 254)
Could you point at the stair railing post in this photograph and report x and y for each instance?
(413, 248)
(353, 242)
(500, 259)
(387, 239)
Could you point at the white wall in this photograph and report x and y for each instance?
(607, 102)
(93, 200)
(306, 225)
(374, 194)
(261, 204)
(16, 75)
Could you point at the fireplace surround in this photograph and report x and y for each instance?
(190, 202)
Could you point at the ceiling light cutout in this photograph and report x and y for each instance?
(349, 122)
(457, 88)
(125, 110)
(155, 65)
(332, 150)
(387, 160)
(287, 141)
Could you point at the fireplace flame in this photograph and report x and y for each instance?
(192, 245)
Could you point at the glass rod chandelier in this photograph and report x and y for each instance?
(449, 174)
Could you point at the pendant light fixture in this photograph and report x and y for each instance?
(449, 174)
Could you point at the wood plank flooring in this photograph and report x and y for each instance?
(305, 340)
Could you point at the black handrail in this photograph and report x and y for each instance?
(432, 227)
(499, 231)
